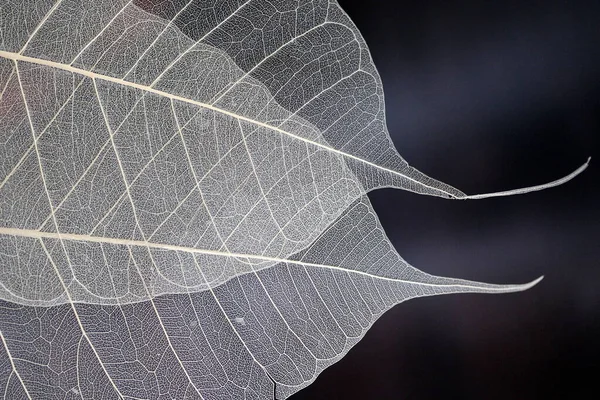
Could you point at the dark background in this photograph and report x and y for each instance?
(487, 96)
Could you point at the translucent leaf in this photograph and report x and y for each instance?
(183, 208)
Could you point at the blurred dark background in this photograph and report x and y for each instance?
(487, 96)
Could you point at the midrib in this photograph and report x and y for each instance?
(94, 75)
(28, 233)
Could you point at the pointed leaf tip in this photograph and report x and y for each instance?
(520, 287)
(524, 190)
(533, 283)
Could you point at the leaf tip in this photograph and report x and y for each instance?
(529, 189)
(533, 283)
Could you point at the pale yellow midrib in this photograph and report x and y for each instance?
(94, 75)
(29, 233)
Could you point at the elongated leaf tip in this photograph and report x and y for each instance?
(533, 283)
(517, 287)
(524, 286)
(524, 190)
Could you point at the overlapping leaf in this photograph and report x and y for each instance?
(182, 198)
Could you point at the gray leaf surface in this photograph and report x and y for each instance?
(183, 209)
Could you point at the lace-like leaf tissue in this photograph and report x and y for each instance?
(183, 208)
